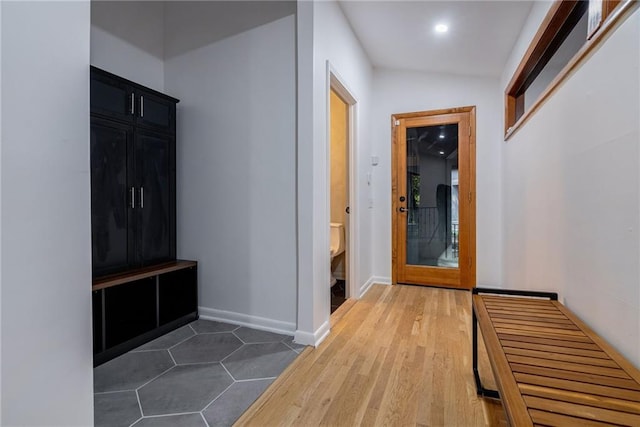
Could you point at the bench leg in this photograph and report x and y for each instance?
(482, 392)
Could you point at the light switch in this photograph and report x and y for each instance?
(375, 160)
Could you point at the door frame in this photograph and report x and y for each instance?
(469, 275)
(338, 85)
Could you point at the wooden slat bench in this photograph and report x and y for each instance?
(550, 368)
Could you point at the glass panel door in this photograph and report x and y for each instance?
(432, 199)
(434, 227)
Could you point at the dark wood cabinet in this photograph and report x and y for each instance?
(112, 96)
(140, 290)
(119, 99)
(155, 210)
(98, 343)
(133, 175)
(112, 216)
(156, 112)
(129, 310)
(132, 308)
(175, 299)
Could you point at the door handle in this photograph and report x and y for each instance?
(133, 198)
(348, 210)
(132, 107)
(141, 197)
(141, 106)
(402, 209)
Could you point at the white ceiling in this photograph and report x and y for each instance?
(400, 34)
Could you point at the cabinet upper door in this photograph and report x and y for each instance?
(155, 112)
(155, 172)
(111, 191)
(112, 98)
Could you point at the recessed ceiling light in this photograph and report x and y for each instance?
(442, 152)
(441, 136)
(441, 28)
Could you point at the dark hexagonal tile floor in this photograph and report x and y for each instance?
(186, 388)
(205, 348)
(205, 370)
(266, 360)
(169, 340)
(252, 336)
(182, 420)
(228, 407)
(211, 326)
(119, 408)
(131, 370)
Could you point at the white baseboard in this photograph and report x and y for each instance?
(241, 319)
(315, 338)
(374, 280)
(382, 280)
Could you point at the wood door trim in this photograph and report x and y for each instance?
(467, 275)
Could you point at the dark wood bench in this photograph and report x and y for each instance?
(550, 368)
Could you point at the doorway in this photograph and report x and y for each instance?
(339, 198)
(433, 198)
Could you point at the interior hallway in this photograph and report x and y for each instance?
(400, 356)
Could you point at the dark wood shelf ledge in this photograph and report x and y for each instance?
(140, 273)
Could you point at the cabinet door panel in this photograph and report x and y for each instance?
(130, 310)
(111, 97)
(155, 112)
(110, 196)
(155, 170)
(178, 294)
(97, 321)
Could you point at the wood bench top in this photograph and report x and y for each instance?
(552, 369)
(140, 273)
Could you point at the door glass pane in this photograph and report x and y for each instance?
(109, 218)
(432, 196)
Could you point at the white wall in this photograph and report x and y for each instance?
(236, 173)
(127, 39)
(408, 91)
(1, 212)
(46, 237)
(571, 191)
(333, 41)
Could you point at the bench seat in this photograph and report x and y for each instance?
(550, 368)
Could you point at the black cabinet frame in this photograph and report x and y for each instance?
(134, 308)
(140, 290)
(148, 119)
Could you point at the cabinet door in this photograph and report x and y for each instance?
(111, 191)
(155, 112)
(178, 294)
(130, 310)
(155, 174)
(112, 97)
(98, 344)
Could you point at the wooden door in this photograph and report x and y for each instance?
(433, 198)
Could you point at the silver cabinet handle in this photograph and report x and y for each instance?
(132, 106)
(133, 198)
(141, 197)
(141, 106)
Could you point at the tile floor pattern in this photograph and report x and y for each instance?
(203, 374)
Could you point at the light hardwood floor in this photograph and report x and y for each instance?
(400, 356)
